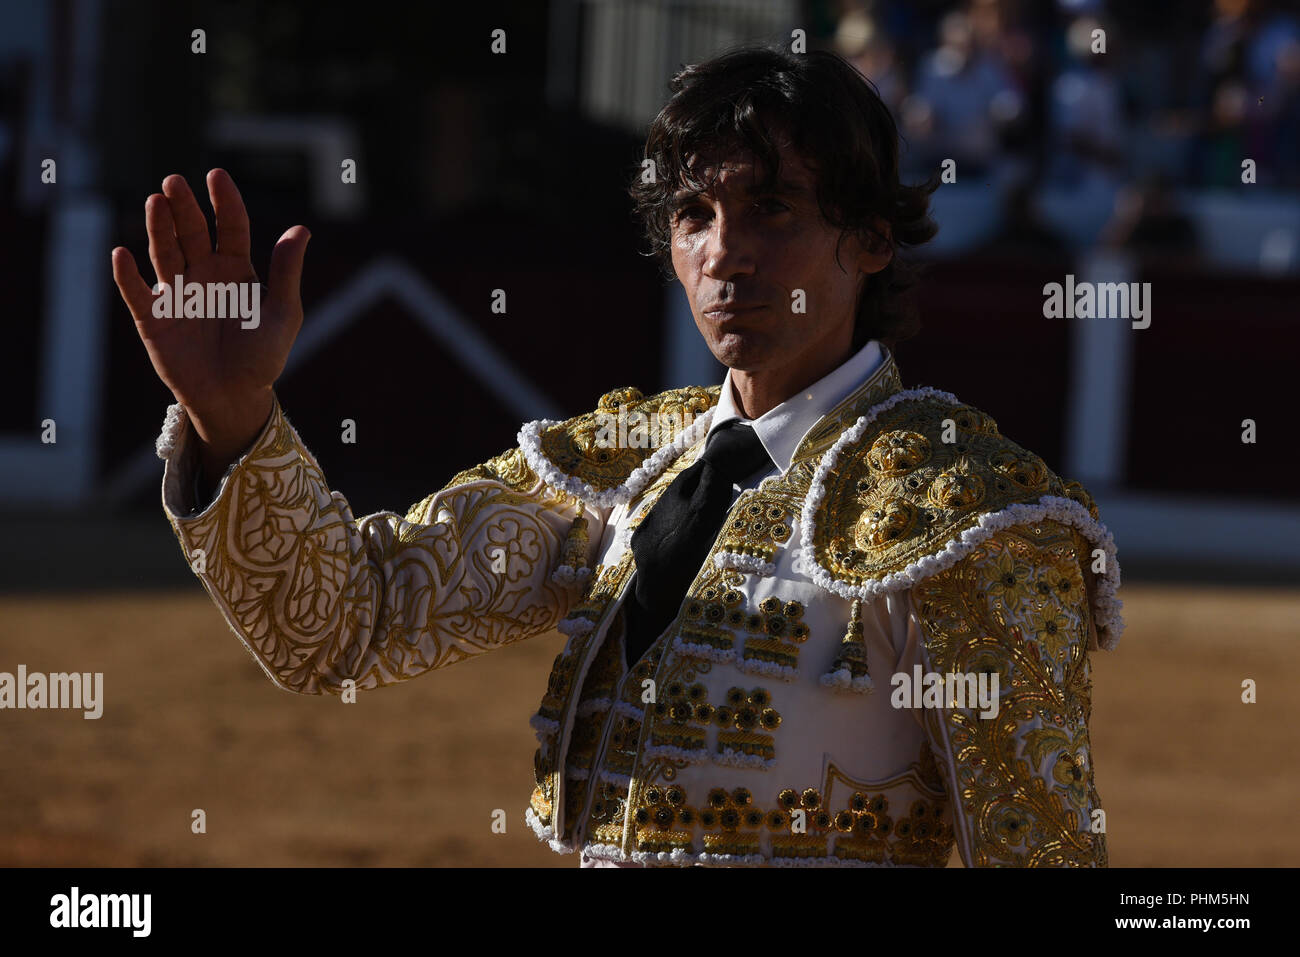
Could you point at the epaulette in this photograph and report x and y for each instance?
(921, 480)
(605, 457)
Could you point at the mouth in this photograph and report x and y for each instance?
(723, 312)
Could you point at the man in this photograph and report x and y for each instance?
(733, 566)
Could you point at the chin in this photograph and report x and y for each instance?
(743, 353)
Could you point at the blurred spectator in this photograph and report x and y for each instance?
(860, 41)
(964, 98)
(1087, 119)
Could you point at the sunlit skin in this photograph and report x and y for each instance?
(739, 247)
(222, 374)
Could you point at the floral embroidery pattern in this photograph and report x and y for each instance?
(1017, 606)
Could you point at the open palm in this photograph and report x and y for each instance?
(216, 368)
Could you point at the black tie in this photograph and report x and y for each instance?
(673, 540)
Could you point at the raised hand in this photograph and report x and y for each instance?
(221, 370)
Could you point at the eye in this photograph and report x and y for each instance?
(690, 213)
(771, 205)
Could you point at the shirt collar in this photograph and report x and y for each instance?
(782, 429)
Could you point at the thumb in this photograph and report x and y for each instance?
(286, 265)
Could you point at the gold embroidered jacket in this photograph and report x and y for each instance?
(908, 538)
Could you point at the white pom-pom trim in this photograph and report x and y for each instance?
(604, 852)
(612, 852)
(545, 832)
(739, 759)
(706, 652)
(843, 680)
(618, 780)
(750, 666)
(568, 575)
(769, 669)
(592, 706)
(172, 430)
(530, 442)
(544, 725)
(573, 627)
(627, 710)
(698, 755)
(1105, 606)
(745, 563)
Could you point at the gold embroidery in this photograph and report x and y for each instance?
(883, 383)
(509, 468)
(318, 596)
(802, 823)
(855, 821)
(1017, 606)
(744, 742)
(562, 690)
(908, 492)
(758, 526)
(608, 811)
(600, 686)
(605, 584)
(713, 616)
(590, 448)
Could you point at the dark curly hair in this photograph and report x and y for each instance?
(751, 98)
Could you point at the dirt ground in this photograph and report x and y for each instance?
(410, 775)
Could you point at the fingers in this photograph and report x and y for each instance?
(286, 265)
(135, 291)
(164, 251)
(232, 217)
(191, 225)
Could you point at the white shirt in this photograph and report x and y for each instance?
(782, 428)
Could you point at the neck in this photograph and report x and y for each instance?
(758, 393)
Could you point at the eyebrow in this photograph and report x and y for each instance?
(783, 187)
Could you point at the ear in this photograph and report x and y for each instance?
(877, 250)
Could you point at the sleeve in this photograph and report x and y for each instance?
(318, 596)
(1016, 761)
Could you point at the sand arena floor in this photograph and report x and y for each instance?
(411, 774)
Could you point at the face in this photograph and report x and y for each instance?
(760, 269)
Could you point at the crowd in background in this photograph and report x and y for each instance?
(1007, 88)
(1134, 101)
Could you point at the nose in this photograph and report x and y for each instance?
(729, 250)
